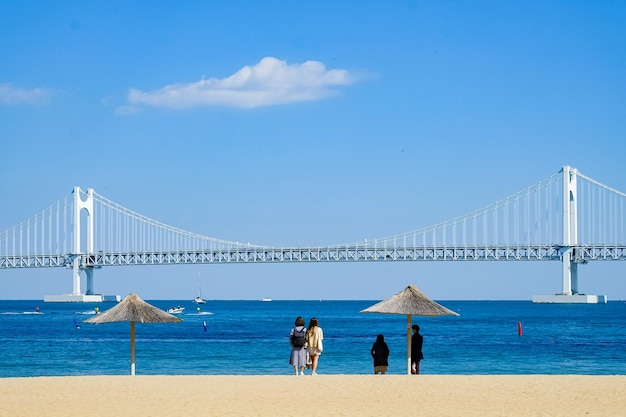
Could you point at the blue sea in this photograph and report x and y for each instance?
(251, 338)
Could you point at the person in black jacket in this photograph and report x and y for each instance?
(380, 353)
(417, 340)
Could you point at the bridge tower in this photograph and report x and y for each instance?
(79, 205)
(570, 231)
(570, 292)
(76, 295)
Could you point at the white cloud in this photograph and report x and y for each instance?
(11, 94)
(270, 82)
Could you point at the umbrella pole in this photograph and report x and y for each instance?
(408, 344)
(132, 348)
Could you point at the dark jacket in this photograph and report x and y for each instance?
(380, 352)
(416, 347)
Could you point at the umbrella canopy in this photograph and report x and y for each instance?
(133, 309)
(410, 302)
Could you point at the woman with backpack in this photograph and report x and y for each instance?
(314, 337)
(297, 338)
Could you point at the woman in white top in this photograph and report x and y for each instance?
(314, 337)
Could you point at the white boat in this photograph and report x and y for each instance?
(267, 300)
(176, 310)
(199, 300)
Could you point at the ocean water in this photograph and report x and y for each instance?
(251, 338)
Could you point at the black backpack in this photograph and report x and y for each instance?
(299, 337)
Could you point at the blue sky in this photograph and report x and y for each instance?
(307, 123)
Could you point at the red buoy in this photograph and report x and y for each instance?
(519, 328)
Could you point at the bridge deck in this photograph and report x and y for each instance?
(581, 254)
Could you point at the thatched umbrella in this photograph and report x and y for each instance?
(133, 309)
(412, 302)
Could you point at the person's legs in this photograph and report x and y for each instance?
(295, 369)
(302, 370)
(314, 359)
(417, 367)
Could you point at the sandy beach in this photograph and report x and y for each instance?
(321, 395)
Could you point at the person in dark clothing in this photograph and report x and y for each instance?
(417, 340)
(380, 353)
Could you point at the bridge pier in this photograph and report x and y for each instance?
(570, 273)
(76, 277)
(570, 294)
(89, 273)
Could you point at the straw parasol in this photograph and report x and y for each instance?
(412, 302)
(133, 309)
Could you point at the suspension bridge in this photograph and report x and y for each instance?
(567, 217)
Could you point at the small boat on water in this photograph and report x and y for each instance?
(176, 310)
(267, 300)
(199, 299)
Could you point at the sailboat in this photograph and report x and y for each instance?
(199, 299)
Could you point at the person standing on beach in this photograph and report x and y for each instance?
(314, 337)
(297, 339)
(380, 353)
(417, 340)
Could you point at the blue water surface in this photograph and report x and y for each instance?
(251, 338)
